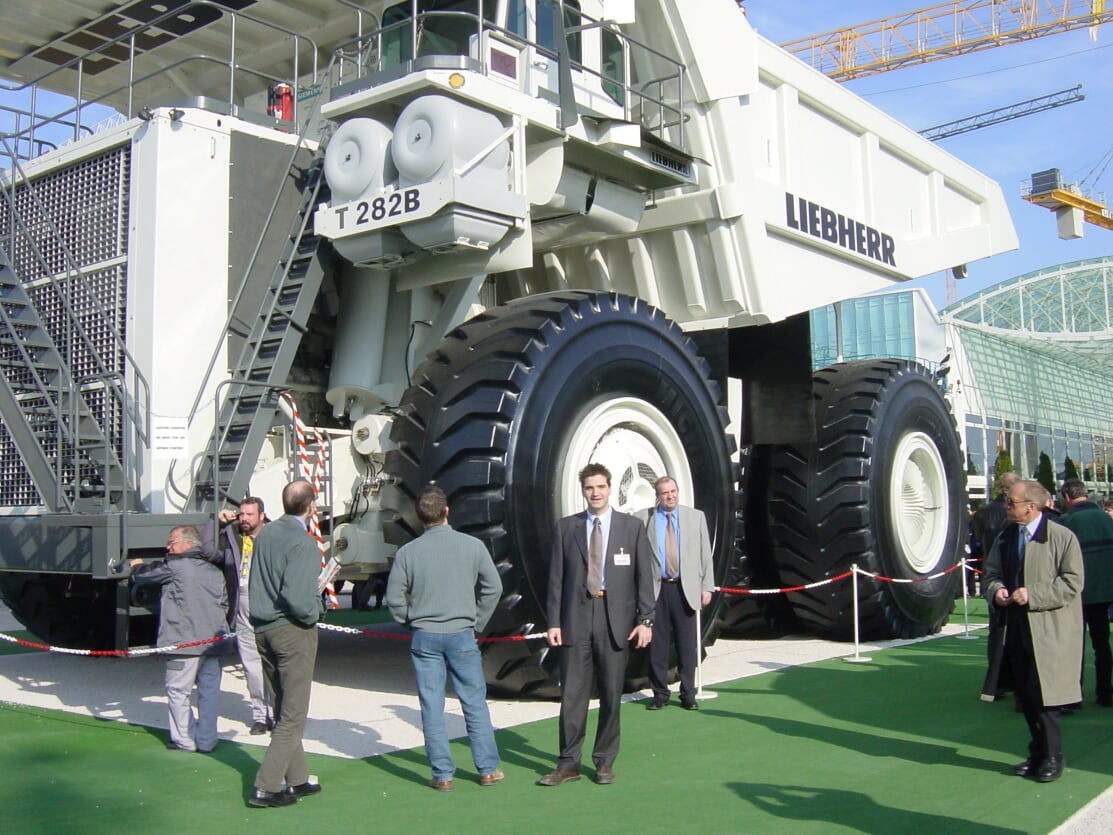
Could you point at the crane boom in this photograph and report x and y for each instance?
(941, 31)
(1004, 114)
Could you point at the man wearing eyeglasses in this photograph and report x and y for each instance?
(1034, 577)
(194, 607)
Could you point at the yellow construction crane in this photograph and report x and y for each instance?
(942, 31)
(948, 29)
(1070, 205)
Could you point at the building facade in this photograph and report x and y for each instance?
(1028, 365)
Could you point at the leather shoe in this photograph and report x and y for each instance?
(692, 705)
(1051, 769)
(561, 775)
(495, 776)
(441, 785)
(604, 775)
(259, 728)
(302, 789)
(657, 704)
(261, 799)
(1028, 768)
(173, 746)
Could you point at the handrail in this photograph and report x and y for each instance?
(16, 134)
(77, 64)
(650, 92)
(74, 272)
(234, 304)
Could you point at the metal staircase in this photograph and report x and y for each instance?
(247, 402)
(64, 447)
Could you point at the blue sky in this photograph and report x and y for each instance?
(1073, 138)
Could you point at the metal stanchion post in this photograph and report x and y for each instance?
(701, 694)
(966, 636)
(856, 658)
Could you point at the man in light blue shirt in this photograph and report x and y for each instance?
(679, 538)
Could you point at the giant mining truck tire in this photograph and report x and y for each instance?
(513, 403)
(64, 610)
(882, 487)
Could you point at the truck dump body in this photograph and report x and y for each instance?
(485, 244)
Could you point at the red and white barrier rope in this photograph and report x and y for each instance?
(399, 636)
(114, 653)
(787, 589)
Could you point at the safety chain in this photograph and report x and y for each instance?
(532, 636)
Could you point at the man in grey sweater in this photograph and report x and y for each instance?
(444, 587)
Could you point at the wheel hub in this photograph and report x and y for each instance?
(633, 440)
(918, 501)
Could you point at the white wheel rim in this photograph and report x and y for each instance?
(633, 440)
(918, 503)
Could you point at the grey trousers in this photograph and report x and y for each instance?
(288, 654)
(249, 657)
(182, 673)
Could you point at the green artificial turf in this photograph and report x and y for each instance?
(899, 744)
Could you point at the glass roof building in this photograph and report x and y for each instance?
(1033, 371)
(1030, 359)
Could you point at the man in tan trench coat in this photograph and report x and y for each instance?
(1034, 578)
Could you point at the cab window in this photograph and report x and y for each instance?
(547, 34)
(438, 34)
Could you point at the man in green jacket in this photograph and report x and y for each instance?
(1094, 529)
(285, 607)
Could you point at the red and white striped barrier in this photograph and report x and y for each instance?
(315, 476)
(853, 573)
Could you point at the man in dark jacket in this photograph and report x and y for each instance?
(194, 607)
(285, 607)
(1094, 529)
(235, 547)
(988, 523)
(600, 603)
(991, 519)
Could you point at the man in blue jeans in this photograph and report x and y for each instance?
(444, 587)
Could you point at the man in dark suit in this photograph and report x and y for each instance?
(682, 546)
(600, 599)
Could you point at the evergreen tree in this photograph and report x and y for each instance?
(1045, 475)
(1003, 464)
(1070, 469)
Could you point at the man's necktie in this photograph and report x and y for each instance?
(1022, 541)
(672, 558)
(595, 560)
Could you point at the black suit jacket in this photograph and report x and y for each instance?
(630, 592)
